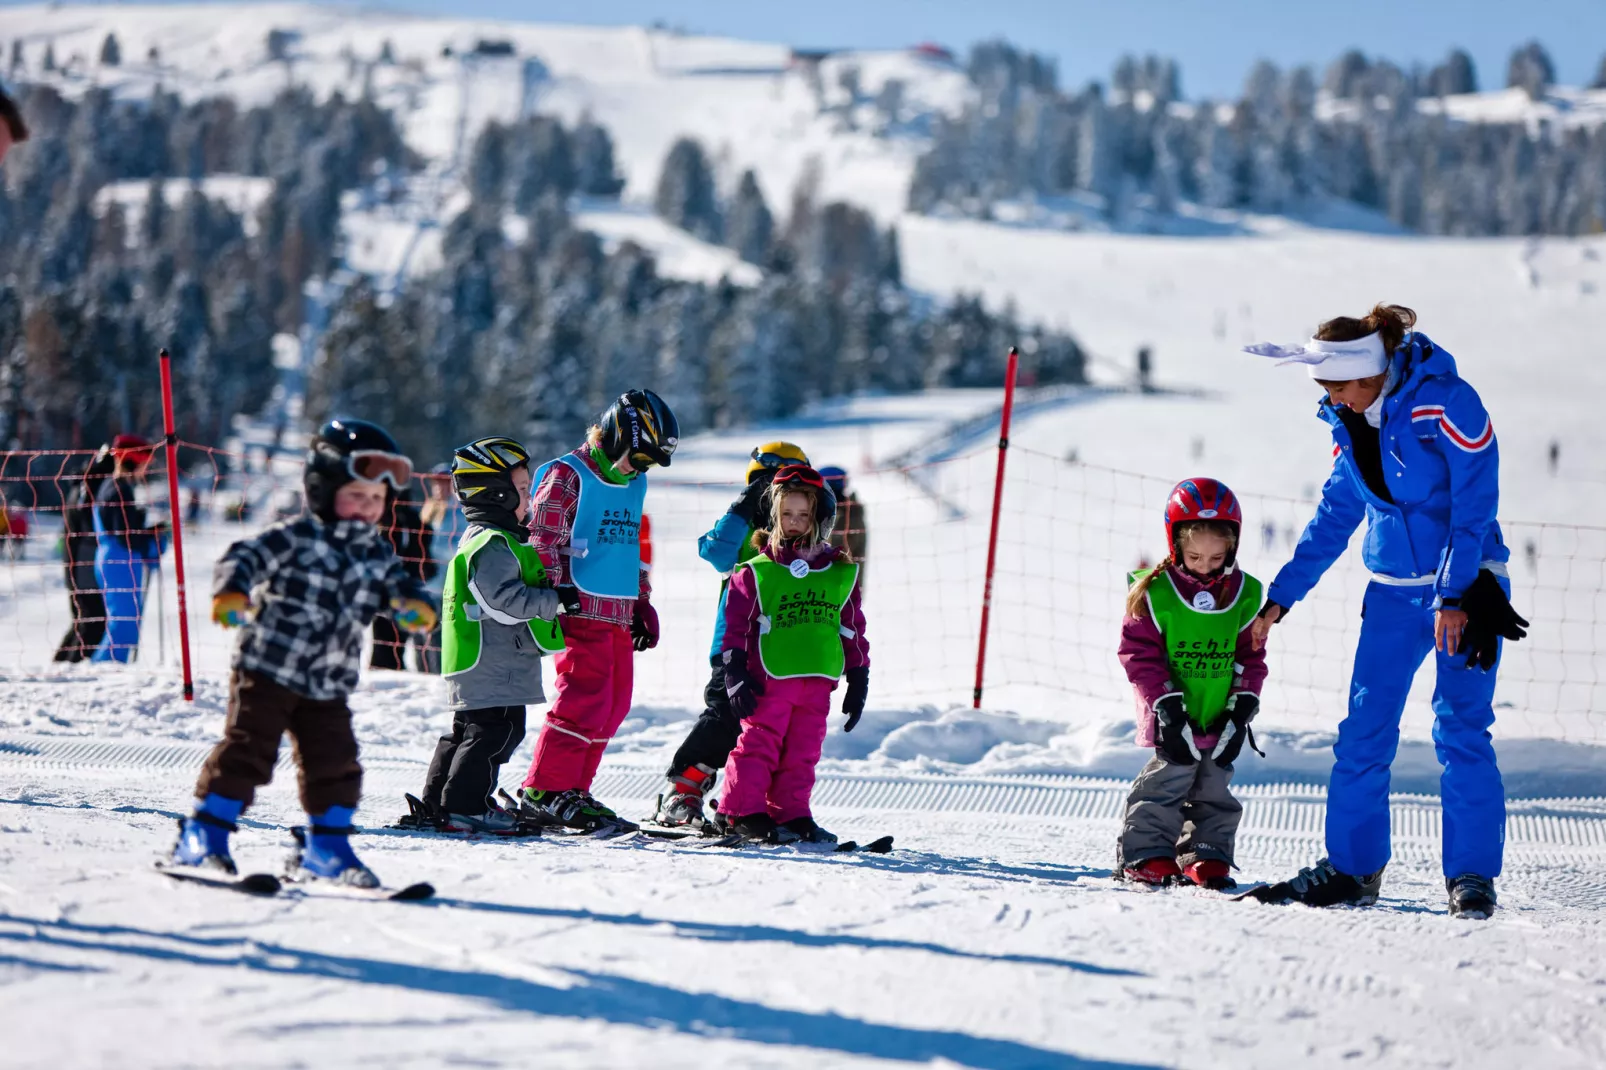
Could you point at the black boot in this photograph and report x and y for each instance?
(1322, 886)
(759, 827)
(806, 830)
(1471, 896)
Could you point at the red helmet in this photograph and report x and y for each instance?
(1201, 499)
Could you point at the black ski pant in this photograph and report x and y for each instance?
(88, 626)
(464, 771)
(714, 736)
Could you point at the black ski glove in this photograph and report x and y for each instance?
(858, 690)
(742, 688)
(568, 597)
(1241, 709)
(1282, 611)
(644, 626)
(1490, 618)
(1175, 738)
(750, 501)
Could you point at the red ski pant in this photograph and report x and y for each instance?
(772, 768)
(593, 696)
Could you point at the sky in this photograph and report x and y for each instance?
(1215, 40)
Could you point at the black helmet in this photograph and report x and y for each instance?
(347, 451)
(482, 474)
(640, 426)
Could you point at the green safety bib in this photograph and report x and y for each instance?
(1201, 644)
(800, 627)
(461, 612)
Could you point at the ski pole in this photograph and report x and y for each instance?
(178, 525)
(992, 538)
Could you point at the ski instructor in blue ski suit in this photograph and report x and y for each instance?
(1414, 456)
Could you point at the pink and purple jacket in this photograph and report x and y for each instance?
(552, 528)
(1143, 656)
(742, 608)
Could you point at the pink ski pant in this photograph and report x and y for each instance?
(772, 768)
(595, 677)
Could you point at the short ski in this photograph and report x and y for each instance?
(328, 889)
(879, 846)
(609, 830)
(263, 884)
(419, 819)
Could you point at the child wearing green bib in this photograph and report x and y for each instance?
(794, 627)
(498, 617)
(1187, 649)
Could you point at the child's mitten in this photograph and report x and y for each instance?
(853, 700)
(741, 687)
(231, 609)
(1175, 738)
(644, 626)
(414, 615)
(569, 597)
(1241, 709)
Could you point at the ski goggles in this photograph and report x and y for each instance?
(794, 473)
(772, 460)
(375, 466)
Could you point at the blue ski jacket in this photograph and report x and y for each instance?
(1442, 468)
(725, 545)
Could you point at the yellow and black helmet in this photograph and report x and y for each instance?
(773, 455)
(482, 471)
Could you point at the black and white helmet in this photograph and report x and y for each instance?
(349, 451)
(640, 427)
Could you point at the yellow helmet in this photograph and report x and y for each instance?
(773, 455)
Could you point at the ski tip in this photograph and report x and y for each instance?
(259, 884)
(846, 846)
(879, 846)
(414, 892)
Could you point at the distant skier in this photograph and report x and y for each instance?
(1187, 649)
(794, 627)
(1555, 455)
(694, 769)
(303, 593)
(850, 532)
(129, 543)
(1415, 456)
(78, 550)
(13, 131)
(586, 527)
(498, 616)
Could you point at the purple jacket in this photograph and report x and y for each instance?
(1143, 656)
(742, 610)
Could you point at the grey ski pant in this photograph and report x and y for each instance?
(1186, 812)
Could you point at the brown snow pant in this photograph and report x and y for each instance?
(1185, 812)
(260, 712)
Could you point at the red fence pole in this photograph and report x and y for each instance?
(992, 538)
(178, 527)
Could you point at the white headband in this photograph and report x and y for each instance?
(1334, 361)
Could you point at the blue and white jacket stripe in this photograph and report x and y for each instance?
(1442, 467)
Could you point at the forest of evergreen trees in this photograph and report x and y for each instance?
(534, 337)
(88, 296)
(1138, 148)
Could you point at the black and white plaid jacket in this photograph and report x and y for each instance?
(315, 589)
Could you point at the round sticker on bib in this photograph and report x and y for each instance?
(799, 568)
(1204, 600)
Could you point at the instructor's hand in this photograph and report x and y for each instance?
(1448, 624)
(1260, 627)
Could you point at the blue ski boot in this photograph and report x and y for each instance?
(323, 851)
(203, 837)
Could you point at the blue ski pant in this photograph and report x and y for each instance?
(122, 583)
(1396, 636)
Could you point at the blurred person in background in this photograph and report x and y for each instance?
(443, 515)
(413, 542)
(129, 539)
(851, 532)
(12, 129)
(78, 554)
